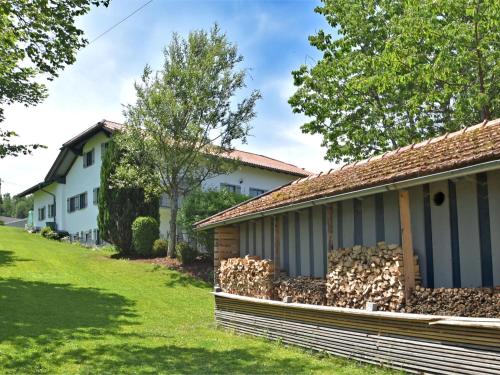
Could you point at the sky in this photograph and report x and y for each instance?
(272, 35)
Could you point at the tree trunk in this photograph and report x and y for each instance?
(174, 201)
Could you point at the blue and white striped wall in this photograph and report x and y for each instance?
(457, 242)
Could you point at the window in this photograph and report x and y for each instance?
(95, 196)
(78, 202)
(41, 213)
(88, 158)
(231, 188)
(256, 192)
(104, 148)
(164, 201)
(51, 212)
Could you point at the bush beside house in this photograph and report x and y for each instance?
(202, 204)
(160, 248)
(185, 253)
(145, 230)
(119, 206)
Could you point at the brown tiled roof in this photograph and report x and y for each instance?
(248, 158)
(261, 161)
(466, 147)
(109, 127)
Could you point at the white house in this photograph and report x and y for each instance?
(67, 198)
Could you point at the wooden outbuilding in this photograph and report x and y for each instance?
(438, 199)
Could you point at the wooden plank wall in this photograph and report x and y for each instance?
(456, 242)
(226, 245)
(419, 344)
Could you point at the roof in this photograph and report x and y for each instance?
(69, 152)
(73, 147)
(261, 161)
(467, 147)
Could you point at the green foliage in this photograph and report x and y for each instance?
(120, 206)
(37, 38)
(202, 204)
(1, 222)
(145, 231)
(160, 248)
(399, 72)
(46, 232)
(16, 207)
(185, 253)
(186, 119)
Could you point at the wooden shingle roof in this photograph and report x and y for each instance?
(467, 147)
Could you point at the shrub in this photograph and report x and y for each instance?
(2, 223)
(201, 204)
(62, 234)
(53, 236)
(185, 253)
(145, 230)
(160, 248)
(46, 232)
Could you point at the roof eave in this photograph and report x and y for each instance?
(32, 189)
(453, 173)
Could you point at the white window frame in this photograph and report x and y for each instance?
(261, 191)
(86, 162)
(41, 213)
(230, 187)
(51, 210)
(95, 196)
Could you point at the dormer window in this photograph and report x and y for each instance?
(88, 158)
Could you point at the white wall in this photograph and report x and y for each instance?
(80, 180)
(43, 199)
(251, 177)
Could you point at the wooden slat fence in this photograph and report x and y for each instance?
(412, 342)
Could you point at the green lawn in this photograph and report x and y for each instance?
(66, 309)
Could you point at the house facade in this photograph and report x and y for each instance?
(451, 193)
(67, 198)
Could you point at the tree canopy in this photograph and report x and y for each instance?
(15, 207)
(186, 119)
(119, 206)
(37, 39)
(399, 72)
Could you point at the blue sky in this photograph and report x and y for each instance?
(271, 35)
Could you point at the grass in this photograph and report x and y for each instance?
(66, 309)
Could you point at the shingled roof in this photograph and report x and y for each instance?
(467, 147)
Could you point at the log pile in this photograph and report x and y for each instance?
(361, 274)
(470, 302)
(249, 276)
(301, 289)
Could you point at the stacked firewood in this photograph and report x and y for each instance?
(301, 290)
(249, 276)
(481, 302)
(361, 274)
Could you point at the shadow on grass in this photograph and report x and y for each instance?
(177, 359)
(7, 258)
(176, 278)
(43, 316)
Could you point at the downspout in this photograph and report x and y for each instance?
(54, 200)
